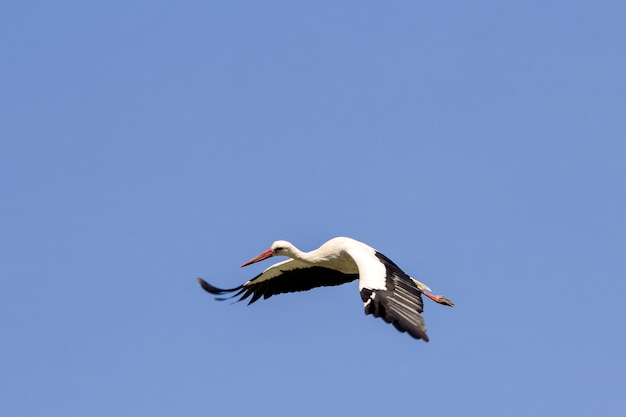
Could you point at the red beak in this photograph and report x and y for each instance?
(263, 255)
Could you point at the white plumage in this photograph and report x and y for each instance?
(387, 292)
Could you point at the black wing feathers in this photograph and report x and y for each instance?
(214, 290)
(292, 280)
(400, 304)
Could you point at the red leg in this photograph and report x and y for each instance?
(439, 299)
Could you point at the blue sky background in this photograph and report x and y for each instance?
(481, 146)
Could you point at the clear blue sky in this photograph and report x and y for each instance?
(480, 145)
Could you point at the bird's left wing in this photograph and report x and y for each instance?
(389, 293)
(284, 277)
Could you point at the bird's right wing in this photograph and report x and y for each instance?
(284, 277)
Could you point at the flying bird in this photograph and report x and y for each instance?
(387, 292)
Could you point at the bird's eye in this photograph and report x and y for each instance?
(278, 250)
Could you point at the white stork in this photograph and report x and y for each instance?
(387, 292)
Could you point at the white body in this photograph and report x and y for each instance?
(387, 292)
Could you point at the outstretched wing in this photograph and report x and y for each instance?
(284, 277)
(389, 293)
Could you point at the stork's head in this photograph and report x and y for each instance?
(278, 248)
